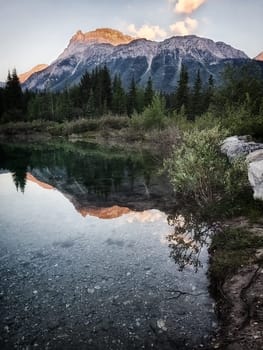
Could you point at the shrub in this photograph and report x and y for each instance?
(114, 122)
(153, 117)
(239, 121)
(199, 171)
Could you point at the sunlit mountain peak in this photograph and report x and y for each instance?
(102, 35)
(24, 76)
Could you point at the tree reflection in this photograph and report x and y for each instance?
(19, 178)
(17, 163)
(83, 170)
(190, 235)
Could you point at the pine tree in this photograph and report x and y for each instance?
(96, 92)
(85, 87)
(118, 97)
(148, 93)
(132, 98)
(106, 88)
(91, 106)
(2, 106)
(182, 92)
(197, 103)
(208, 95)
(13, 92)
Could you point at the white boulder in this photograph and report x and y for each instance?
(255, 176)
(234, 147)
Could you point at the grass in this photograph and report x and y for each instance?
(66, 128)
(231, 249)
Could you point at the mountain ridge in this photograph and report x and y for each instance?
(259, 57)
(136, 58)
(102, 35)
(38, 68)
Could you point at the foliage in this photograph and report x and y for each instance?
(198, 170)
(153, 116)
(132, 105)
(242, 86)
(182, 91)
(239, 121)
(119, 97)
(232, 248)
(197, 100)
(13, 92)
(237, 105)
(78, 126)
(148, 93)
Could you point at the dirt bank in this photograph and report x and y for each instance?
(238, 284)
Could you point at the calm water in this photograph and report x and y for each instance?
(88, 257)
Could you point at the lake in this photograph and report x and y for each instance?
(89, 259)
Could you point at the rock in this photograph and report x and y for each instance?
(259, 254)
(255, 176)
(161, 325)
(255, 156)
(235, 146)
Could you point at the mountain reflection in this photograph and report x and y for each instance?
(105, 213)
(30, 177)
(98, 181)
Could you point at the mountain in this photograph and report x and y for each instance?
(102, 36)
(259, 57)
(139, 58)
(24, 76)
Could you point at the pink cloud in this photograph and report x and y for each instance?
(150, 32)
(187, 6)
(185, 27)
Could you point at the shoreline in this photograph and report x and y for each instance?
(237, 289)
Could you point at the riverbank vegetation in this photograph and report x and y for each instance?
(100, 103)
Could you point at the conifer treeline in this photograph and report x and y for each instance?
(100, 94)
(96, 95)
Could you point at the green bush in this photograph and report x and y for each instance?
(153, 117)
(239, 121)
(205, 121)
(199, 171)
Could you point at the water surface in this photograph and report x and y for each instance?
(85, 258)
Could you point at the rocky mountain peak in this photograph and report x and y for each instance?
(259, 57)
(102, 35)
(24, 76)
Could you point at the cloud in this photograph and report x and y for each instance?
(185, 27)
(186, 6)
(146, 31)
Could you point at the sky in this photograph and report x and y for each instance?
(37, 31)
